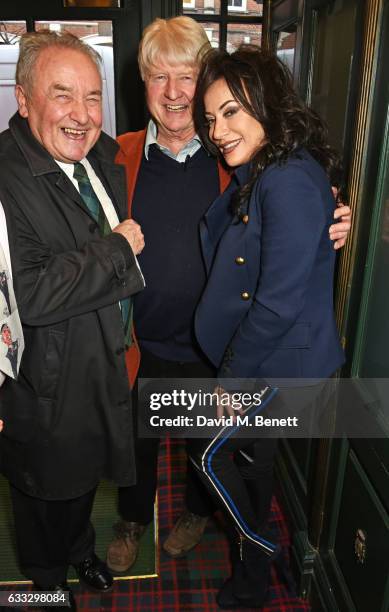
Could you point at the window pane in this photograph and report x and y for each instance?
(94, 3)
(241, 33)
(10, 31)
(201, 7)
(212, 30)
(92, 32)
(286, 47)
(245, 7)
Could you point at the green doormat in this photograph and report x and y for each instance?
(103, 516)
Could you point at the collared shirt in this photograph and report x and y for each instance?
(189, 149)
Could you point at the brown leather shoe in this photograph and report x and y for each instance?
(123, 550)
(185, 535)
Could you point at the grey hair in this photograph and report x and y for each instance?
(33, 43)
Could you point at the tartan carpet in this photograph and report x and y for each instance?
(189, 584)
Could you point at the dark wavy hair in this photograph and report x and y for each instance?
(262, 85)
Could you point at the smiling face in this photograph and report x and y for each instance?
(237, 134)
(64, 107)
(169, 95)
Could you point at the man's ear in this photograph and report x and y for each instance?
(21, 99)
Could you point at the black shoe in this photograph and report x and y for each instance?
(238, 593)
(226, 600)
(249, 582)
(64, 593)
(94, 574)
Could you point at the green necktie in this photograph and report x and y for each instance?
(93, 205)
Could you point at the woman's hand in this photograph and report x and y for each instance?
(224, 407)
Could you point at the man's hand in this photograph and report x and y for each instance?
(339, 231)
(1, 425)
(132, 233)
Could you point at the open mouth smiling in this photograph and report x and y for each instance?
(73, 132)
(176, 108)
(229, 146)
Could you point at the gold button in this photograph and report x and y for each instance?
(245, 295)
(240, 261)
(245, 219)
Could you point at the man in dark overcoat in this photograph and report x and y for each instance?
(67, 420)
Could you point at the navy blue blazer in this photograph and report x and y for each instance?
(267, 308)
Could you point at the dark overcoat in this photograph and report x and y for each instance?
(68, 416)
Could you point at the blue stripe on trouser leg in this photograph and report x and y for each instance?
(206, 466)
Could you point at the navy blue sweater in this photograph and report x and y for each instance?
(170, 199)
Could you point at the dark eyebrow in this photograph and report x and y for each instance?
(222, 106)
(96, 92)
(225, 103)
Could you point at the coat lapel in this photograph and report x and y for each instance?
(66, 186)
(113, 178)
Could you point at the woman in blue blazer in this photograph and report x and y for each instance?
(267, 309)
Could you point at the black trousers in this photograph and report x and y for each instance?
(240, 479)
(238, 471)
(51, 535)
(136, 503)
